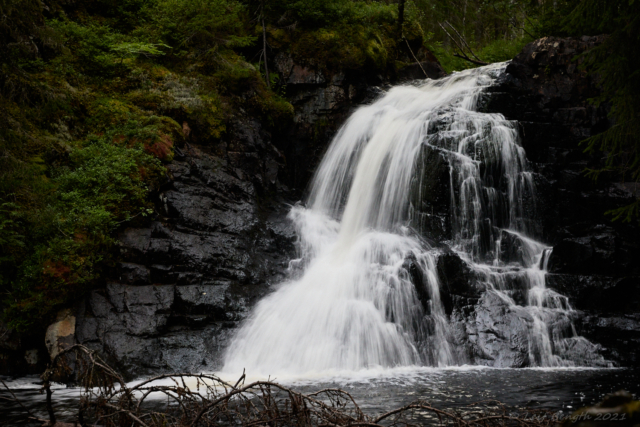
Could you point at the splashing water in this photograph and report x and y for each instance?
(367, 294)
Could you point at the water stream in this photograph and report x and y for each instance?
(353, 302)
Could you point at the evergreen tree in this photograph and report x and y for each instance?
(617, 64)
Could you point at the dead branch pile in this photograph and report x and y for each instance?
(204, 400)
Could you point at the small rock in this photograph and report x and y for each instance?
(60, 335)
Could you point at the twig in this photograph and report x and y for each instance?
(470, 60)
(462, 54)
(264, 45)
(414, 57)
(463, 40)
(52, 415)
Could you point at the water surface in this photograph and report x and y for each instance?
(561, 390)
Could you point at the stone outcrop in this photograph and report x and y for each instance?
(594, 260)
(218, 243)
(322, 103)
(60, 335)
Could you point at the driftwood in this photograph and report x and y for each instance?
(205, 400)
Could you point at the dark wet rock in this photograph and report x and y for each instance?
(602, 251)
(501, 335)
(419, 281)
(604, 293)
(430, 194)
(580, 351)
(133, 274)
(460, 285)
(545, 89)
(303, 75)
(422, 70)
(594, 260)
(323, 101)
(512, 249)
(619, 335)
(187, 278)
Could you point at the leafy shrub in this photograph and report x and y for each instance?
(103, 185)
(90, 46)
(347, 47)
(204, 24)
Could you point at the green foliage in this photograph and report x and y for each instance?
(503, 50)
(106, 183)
(496, 51)
(204, 24)
(341, 34)
(136, 49)
(92, 101)
(101, 185)
(320, 13)
(89, 47)
(346, 47)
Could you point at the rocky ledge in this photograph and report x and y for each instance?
(595, 262)
(186, 280)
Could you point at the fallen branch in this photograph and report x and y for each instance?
(204, 400)
(414, 57)
(462, 54)
(464, 41)
(466, 58)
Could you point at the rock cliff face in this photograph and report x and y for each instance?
(187, 279)
(324, 101)
(595, 262)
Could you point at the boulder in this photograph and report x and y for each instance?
(501, 335)
(460, 286)
(61, 334)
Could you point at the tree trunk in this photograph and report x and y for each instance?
(400, 17)
(264, 47)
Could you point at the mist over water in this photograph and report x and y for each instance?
(355, 300)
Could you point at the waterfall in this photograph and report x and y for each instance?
(365, 291)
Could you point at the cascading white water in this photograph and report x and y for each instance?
(368, 294)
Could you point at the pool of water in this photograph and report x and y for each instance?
(559, 390)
